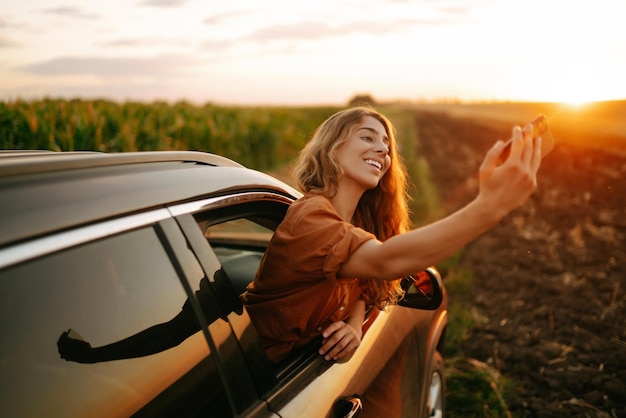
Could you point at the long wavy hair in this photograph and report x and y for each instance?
(383, 210)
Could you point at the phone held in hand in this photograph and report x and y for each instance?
(540, 129)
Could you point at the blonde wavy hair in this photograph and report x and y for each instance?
(383, 210)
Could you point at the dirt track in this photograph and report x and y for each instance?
(550, 279)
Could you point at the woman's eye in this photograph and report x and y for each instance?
(367, 138)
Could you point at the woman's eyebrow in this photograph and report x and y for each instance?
(367, 128)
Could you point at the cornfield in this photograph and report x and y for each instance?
(258, 137)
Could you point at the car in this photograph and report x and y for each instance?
(121, 275)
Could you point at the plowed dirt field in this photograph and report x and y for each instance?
(550, 279)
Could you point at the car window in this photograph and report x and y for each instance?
(239, 244)
(116, 294)
(241, 228)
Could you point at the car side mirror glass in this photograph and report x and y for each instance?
(423, 290)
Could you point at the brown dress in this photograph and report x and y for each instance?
(296, 293)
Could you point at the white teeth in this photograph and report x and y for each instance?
(375, 164)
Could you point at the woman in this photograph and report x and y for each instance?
(342, 247)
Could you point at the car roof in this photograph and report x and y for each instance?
(43, 191)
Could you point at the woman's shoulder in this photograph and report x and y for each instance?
(309, 211)
(312, 203)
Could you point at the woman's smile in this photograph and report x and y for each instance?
(375, 163)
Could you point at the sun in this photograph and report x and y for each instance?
(577, 104)
(573, 90)
(575, 100)
(576, 92)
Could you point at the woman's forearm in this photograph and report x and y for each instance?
(408, 253)
(430, 244)
(357, 317)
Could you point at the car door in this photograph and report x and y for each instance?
(96, 322)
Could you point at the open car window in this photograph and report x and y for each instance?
(240, 232)
(239, 244)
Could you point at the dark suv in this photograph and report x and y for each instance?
(120, 276)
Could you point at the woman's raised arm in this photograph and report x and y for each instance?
(503, 188)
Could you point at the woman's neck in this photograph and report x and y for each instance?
(345, 203)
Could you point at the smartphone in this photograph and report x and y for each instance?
(74, 335)
(540, 129)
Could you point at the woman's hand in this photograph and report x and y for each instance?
(72, 349)
(506, 186)
(340, 340)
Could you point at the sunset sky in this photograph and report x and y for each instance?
(313, 52)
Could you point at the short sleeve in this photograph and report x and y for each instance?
(351, 239)
(320, 242)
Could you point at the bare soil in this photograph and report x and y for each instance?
(550, 278)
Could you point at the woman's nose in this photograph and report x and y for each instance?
(382, 148)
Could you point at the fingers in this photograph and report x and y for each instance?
(335, 326)
(529, 145)
(531, 151)
(536, 161)
(340, 340)
(493, 156)
(518, 141)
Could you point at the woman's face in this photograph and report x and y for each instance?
(364, 156)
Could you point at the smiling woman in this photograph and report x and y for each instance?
(344, 247)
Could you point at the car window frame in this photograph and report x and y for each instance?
(168, 230)
(220, 209)
(300, 369)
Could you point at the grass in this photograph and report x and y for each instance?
(474, 388)
(424, 205)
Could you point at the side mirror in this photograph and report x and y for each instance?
(423, 290)
(348, 407)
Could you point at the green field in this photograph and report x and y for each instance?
(258, 137)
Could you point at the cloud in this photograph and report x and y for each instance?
(7, 43)
(302, 30)
(221, 18)
(217, 45)
(456, 10)
(318, 30)
(312, 31)
(164, 3)
(109, 67)
(73, 12)
(145, 42)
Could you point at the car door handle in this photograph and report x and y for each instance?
(347, 407)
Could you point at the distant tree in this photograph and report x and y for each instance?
(362, 99)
